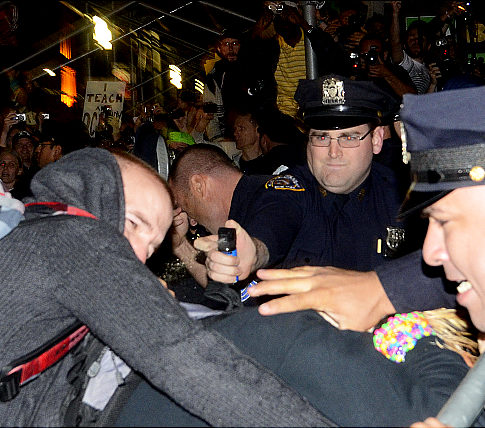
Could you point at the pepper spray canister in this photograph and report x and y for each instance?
(226, 242)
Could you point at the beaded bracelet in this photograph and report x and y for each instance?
(400, 334)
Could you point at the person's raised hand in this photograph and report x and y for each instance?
(396, 7)
(180, 227)
(354, 300)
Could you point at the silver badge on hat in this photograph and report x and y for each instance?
(333, 92)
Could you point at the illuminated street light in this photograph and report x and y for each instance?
(175, 76)
(199, 86)
(102, 34)
(49, 72)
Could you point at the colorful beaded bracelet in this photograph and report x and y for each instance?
(400, 334)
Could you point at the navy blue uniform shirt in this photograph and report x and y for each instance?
(302, 224)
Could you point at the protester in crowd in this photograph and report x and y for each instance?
(281, 142)
(417, 43)
(99, 217)
(11, 172)
(11, 125)
(375, 65)
(278, 39)
(59, 139)
(247, 141)
(24, 143)
(223, 84)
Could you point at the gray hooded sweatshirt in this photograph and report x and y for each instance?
(57, 270)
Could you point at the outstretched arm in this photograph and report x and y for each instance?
(354, 300)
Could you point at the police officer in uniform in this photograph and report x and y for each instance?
(340, 208)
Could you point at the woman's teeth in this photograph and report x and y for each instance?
(463, 286)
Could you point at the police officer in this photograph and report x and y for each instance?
(444, 135)
(340, 208)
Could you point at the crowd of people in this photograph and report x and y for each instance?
(353, 295)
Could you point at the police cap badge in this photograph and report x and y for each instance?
(336, 102)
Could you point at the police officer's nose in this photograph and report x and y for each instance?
(434, 249)
(334, 150)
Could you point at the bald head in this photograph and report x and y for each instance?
(200, 159)
(203, 180)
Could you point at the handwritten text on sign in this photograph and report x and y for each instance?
(98, 95)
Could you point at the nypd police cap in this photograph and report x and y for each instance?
(445, 137)
(336, 102)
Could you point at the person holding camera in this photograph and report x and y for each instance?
(278, 39)
(416, 47)
(375, 65)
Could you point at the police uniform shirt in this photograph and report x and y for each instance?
(302, 224)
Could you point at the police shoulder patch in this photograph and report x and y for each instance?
(284, 182)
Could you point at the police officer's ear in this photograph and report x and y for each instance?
(57, 149)
(264, 143)
(198, 185)
(377, 139)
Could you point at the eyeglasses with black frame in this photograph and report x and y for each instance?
(344, 141)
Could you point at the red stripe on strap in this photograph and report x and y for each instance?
(49, 357)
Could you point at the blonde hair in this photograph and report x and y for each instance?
(454, 331)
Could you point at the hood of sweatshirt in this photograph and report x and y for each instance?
(89, 179)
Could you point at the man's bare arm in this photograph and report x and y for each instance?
(395, 39)
(183, 249)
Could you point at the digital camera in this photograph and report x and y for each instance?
(372, 56)
(276, 8)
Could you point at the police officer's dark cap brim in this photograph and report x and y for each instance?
(337, 119)
(415, 202)
(445, 135)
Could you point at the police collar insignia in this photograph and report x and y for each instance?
(284, 182)
(333, 92)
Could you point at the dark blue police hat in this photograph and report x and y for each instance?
(445, 138)
(336, 102)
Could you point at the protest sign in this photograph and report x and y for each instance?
(99, 95)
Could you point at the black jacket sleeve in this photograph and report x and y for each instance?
(412, 285)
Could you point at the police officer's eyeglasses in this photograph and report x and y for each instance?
(344, 141)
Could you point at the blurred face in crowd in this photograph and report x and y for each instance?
(25, 148)
(342, 169)
(228, 49)
(148, 210)
(455, 233)
(9, 169)
(245, 132)
(415, 46)
(47, 152)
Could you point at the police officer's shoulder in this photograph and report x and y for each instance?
(284, 182)
(384, 173)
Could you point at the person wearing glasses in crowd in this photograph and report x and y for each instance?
(57, 140)
(223, 83)
(339, 208)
